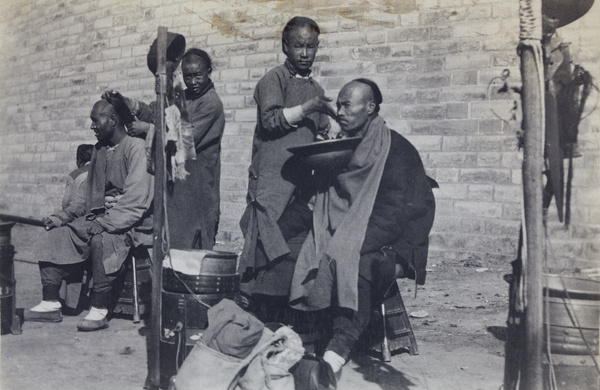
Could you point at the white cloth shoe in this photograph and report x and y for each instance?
(46, 311)
(95, 320)
(96, 314)
(335, 361)
(46, 306)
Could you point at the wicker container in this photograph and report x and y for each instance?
(572, 319)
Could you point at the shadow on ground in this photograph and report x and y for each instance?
(383, 374)
(498, 332)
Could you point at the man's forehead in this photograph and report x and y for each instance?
(344, 97)
(354, 91)
(303, 33)
(193, 61)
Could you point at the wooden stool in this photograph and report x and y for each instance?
(135, 296)
(397, 332)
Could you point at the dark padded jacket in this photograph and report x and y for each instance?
(404, 209)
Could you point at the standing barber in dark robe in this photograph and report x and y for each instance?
(291, 111)
(193, 203)
(370, 224)
(114, 216)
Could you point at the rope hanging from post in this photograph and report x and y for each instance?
(530, 35)
(530, 26)
(532, 98)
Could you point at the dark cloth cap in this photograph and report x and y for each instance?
(175, 50)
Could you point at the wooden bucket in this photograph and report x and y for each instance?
(207, 272)
(9, 321)
(572, 319)
(203, 280)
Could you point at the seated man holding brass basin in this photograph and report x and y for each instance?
(371, 223)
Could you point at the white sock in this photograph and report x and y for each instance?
(335, 361)
(96, 314)
(47, 306)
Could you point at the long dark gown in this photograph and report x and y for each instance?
(193, 203)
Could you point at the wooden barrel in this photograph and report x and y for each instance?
(183, 320)
(208, 272)
(9, 322)
(572, 320)
(209, 277)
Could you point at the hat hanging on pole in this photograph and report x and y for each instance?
(565, 11)
(175, 50)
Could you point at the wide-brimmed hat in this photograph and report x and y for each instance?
(565, 11)
(175, 50)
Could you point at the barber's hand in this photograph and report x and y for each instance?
(138, 128)
(334, 130)
(95, 228)
(49, 224)
(319, 104)
(111, 201)
(108, 95)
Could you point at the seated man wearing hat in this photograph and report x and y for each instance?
(370, 224)
(114, 216)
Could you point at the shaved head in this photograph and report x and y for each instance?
(104, 107)
(106, 123)
(356, 107)
(359, 90)
(375, 92)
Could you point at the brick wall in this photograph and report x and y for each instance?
(433, 59)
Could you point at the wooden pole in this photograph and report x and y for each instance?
(534, 227)
(19, 219)
(159, 184)
(533, 164)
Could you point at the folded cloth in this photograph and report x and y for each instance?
(206, 368)
(267, 367)
(174, 136)
(237, 351)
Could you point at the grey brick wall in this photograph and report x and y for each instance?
(434, 60)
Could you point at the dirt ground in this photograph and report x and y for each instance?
(460, 333)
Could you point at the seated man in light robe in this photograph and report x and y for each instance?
(114, 217)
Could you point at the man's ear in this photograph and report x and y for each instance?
(284, 47)
(371, 107)
(114, 120)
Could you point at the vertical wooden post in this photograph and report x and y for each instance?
(533, 164)
(159, 183)
(532, 192)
